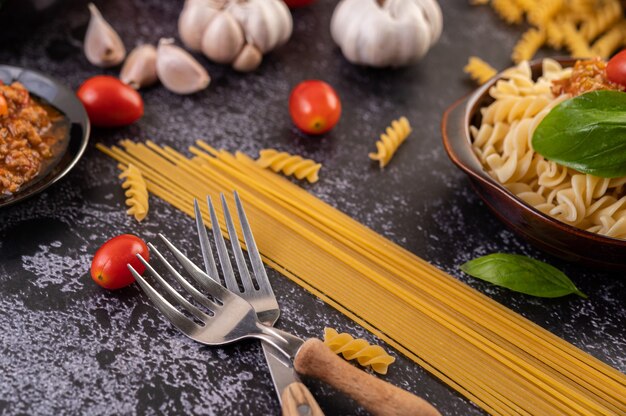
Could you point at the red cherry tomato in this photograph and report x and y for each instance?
(298, 3)
(109, 265)
(616, 68)
(109, 102)
(314, 107)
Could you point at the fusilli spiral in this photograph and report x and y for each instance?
(610, 41)
(389, 141)
(528, 45)
(575, 41)
(479, 70)
(604, 18)
(503, 144)
(373, 356)
(136, 192)
(508, 10)
(289, 164)
(570, 24)
(544, 11)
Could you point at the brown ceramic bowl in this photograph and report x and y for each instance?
(547, 233)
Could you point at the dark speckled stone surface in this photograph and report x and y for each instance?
(68, 347)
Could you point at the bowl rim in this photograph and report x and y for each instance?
(471, 104)
(79, 117)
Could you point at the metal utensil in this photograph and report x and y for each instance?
(261, 297)
(228, 318)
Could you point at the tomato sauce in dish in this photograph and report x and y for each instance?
(31, 136)
(589, 75)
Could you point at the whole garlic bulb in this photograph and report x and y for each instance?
(178, 71)
(103, 46)
(224, 28)
(385, 33)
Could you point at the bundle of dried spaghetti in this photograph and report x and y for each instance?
(495, 357)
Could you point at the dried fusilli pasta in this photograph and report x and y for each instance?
(544, 11)
(503, 144)
(508, 10)
(599, 22)
(610, 41)
(389, 141)
(528, 45)
(570, 24)
(136, 192)
(289, 164)
(373, 356)
(479, 70)
(575, 41)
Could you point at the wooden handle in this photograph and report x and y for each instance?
(377, 396)
(297, 397)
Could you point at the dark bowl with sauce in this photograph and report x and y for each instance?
(547, 233)
(73, 123)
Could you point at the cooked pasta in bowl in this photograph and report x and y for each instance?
(489, 135)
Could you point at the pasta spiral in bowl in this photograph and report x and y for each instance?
(576, 216)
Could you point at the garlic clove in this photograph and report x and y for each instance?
(103, 46)
(193, 20)
(266, 23)
(248, 59)
(178, 71)
(139, 70)
(223, 38)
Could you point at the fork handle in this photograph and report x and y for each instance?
(379, 397)
(298, 401)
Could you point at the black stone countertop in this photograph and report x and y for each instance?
(69, 347)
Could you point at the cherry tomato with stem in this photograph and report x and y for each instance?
(109, 102)
(109, 265)
(616, 68)
(314, 107)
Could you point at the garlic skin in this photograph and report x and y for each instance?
(139, 70)
(178, 71)
(193, 20)
(103, 46)
(248, 59)
(386, 33)
(222, 39)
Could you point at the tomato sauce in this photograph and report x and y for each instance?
(589, 75)
(27, 137)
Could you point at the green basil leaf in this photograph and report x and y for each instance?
(522, 274)
(586, 133)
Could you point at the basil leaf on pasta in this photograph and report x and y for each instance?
(522, 274)
(586, 133)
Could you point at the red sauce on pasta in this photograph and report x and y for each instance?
(27, 138)
(589, 75)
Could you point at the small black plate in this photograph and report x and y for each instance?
(64, 100)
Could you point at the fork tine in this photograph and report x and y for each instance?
(222, 252)
(253, 251)
(244, 274)
(205, 246)
(179, 320)
(195, 293)
(169, 289)
(217, 291)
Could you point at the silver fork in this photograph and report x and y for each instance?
(228, 318)
(262, 298)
